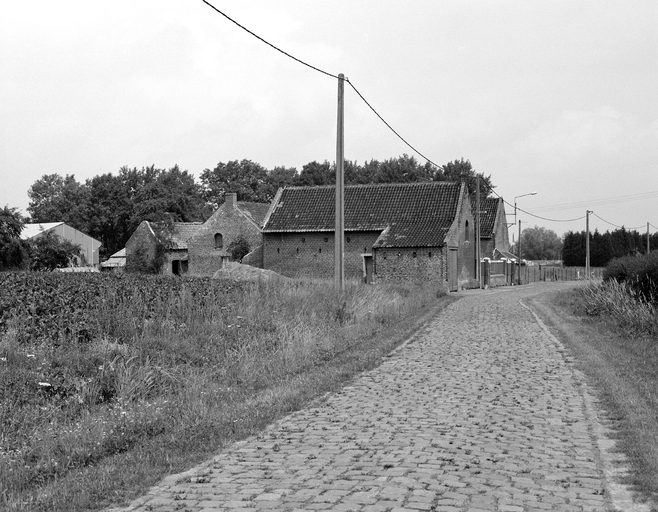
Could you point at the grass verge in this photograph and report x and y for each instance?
(166, 383)
(619, 354)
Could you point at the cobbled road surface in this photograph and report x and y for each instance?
(481, 410)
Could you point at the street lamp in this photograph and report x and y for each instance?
(519, 241)
(522, 195)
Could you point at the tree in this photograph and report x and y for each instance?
(57, 199)
(245, 178)
(239, 248)
(13, 250)
(315, 173)
(48, 252)
(539, 243)
(462, 170)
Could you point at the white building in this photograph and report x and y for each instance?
(88, 246)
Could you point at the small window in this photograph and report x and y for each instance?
(303, 240)
(467, 234)
(297, 250)
(414, 254)
(278, 250)
(326, 239)
(219, 241)
(320, 249)
(429, 254)
(348, 239)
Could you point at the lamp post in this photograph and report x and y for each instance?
(519, 241)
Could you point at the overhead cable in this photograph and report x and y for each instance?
(532, 214)
(615, 225)
(268, 43)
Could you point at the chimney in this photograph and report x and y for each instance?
(230, 199)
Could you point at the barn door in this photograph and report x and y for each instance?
(453, 283)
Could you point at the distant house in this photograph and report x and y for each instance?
(493, 226)
(143, 245)
(116, 262)
(209, 246)
(393, 232)
(89, 246)
(199, 248)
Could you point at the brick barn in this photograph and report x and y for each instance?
(208, 246)
(493, 231)
(393, 232)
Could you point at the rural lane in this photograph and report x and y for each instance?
(481, 410)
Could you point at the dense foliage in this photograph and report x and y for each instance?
(13, 250)
(109, 207)
(539, 243)
(604, 246)
(640, 273)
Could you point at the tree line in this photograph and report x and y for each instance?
(109, 207)
(604, 247)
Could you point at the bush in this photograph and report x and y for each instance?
(639, 272)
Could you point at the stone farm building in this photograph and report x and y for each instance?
(393, 232)
(199, 248)
(493, 230)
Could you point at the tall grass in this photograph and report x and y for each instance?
(172, 368)
(622, 305)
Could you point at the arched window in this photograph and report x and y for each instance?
(219, 241)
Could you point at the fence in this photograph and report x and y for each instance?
(505, 273)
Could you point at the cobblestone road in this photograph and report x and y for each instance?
(480, 411)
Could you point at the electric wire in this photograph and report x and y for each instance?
(612, 224)
(602, 201)
(268, 43)
(596, 202)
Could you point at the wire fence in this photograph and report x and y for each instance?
(506, 273)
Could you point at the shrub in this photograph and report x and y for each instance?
(639, 272)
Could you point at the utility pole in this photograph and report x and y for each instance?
(478, 270)
(587, 243)
(519, 255)
(648, 240)
(339, 235)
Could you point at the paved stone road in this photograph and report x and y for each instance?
(480, 411)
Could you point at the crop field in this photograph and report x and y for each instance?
(109, 381)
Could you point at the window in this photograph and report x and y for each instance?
(467, 234)
(219, 241)
(414, 254)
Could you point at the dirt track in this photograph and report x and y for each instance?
(481, 410)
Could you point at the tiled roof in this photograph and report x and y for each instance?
(488, 210)
(118, 259)
(408, 214)
(182, 232)
(257, 211)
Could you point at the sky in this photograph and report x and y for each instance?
(558, 98)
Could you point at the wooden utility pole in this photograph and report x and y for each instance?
(519, 276)
(478, 270)
(339, 236)
(587, 243)
(648, 240)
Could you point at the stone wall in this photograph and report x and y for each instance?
(312, 254)
(141, 246)
(426, 264)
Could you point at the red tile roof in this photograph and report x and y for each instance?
(488, 208)
(257, 211)
(407, 214)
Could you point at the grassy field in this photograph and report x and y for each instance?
(109, 383)
(613, 335)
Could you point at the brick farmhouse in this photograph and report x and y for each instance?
(393, 232)
(198, 248)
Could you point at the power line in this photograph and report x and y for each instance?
(325, 73)
(531, 214)
(595, 202)
(268, 43)
(612, 224)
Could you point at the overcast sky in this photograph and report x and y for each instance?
(557, 97)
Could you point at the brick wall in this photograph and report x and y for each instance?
(204, 257)
(410, 264)
(312, 254)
